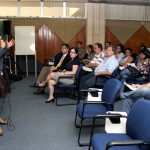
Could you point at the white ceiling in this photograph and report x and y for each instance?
(29, 3)
(126, 2)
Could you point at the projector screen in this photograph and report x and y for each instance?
(25, 40)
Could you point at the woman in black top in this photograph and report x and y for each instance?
(71, 69)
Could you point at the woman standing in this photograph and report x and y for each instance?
(4, 84)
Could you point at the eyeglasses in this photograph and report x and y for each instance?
(73, 52)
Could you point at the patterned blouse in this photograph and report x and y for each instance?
(143, 65)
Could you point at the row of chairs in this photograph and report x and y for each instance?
(137, 135)
(98, 110)
(89, 111)
(138, 121)
(137, 126)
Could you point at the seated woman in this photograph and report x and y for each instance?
(142, 66)
(89, 54)
(71, 69)
(127, 58)
(119, 52)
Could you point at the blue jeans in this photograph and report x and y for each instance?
(129, 98)
(89, 80)
(123, 76)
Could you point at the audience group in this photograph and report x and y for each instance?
(97, 63)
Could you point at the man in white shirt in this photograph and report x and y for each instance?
(99, 56)
(105, 68)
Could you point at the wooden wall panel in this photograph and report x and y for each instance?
(47, 43)
(81, 36)
(110, 37)
(140, 36)
(52, 32)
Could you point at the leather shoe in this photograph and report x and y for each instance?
(34, 85)
(49, 101)
(39, 92)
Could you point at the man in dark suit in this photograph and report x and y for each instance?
(60, 61)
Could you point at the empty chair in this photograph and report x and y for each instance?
(89, 110)
(137, 136)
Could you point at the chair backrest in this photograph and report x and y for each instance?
(77, 75)
(110, 90)
(138, 121)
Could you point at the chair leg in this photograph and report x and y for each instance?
(57, 104)
(75, 121)
(79, 136)
(91, 133)
(89, 147)
(56, 97)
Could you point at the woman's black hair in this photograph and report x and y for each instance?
(143, 45)
(77, 52)
(146, 52)
(122, 47)
(129, 49)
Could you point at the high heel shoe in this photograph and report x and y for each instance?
(41, 86)
(3, 122)
(1, 132)
(49, 101)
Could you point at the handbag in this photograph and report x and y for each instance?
(134, 71)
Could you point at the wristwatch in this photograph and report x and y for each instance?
(64, 71)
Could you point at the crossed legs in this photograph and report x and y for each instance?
(129, 98)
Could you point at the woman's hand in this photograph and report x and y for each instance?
(10, 43)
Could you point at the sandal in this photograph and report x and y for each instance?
(41, 85)
(1, 132)
(3, 122)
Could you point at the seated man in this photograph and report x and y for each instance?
(81, 51)
(98, 58)
(105, 68)
(129, 98)
(60, 61)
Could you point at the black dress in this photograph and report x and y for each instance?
(68, 68)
